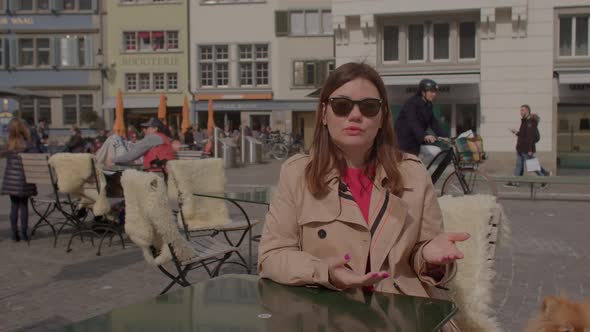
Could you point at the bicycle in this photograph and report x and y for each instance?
(466, 178)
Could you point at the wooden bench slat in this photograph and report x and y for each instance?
(34, 156)
(38, 180)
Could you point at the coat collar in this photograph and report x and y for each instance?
(387, 214)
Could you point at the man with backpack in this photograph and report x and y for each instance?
(527, 136)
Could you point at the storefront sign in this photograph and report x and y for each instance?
(150, 61)
(23, 20)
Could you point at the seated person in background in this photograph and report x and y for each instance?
(155, 145)
(76, 144)
(356, 213)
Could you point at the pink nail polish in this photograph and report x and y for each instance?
(347, 257)
(375, 274)
(385, 275)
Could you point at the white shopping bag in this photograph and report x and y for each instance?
(533, 165)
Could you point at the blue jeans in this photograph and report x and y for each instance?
(521, 158)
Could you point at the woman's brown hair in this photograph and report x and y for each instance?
(326, 156)
(18, 134)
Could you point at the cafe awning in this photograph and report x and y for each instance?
(9, 92)
(579, 76)
(440, 78)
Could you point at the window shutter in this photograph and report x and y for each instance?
(56, 52)
(5, 51)
(281, 23)
(88, 51)
(14, 53)
(73, 51)
(322, 72)
(13, 5)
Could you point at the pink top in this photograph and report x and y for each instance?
(360, 187)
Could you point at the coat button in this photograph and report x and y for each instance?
(322, 234)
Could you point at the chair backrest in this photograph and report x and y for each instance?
(36, 167)
(472, 286)
(186, 177)
(148, 218)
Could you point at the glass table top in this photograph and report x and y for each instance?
(246, 303)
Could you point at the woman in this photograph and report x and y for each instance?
(356, 212)
(76, 144)
(14, 183)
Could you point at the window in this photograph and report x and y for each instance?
(214, 2)
(158, 37)
(150, 41)
(159, 82)
(1, 52)
(467, 40)
(130, 82)
(144, 82)
(573, 35)
(70, 111)
(75, 107)
(391, 43)
(130, 41)
(43, 52)
(73, 51)
(311, 73)
(44, 109)
(145, 41)
(27, 110)
(253, 65)
(85, 4)
(214, 65)
(25, 5)
(26, 52)
(246, 74)
(69, 4)
(172, 37)
(172, 81)
(441, 41)
(309, 22)
(82, 52)
(222, 73)
(415, 42)
(206, 74)
(43, 4)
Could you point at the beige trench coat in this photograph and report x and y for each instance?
(301, 231)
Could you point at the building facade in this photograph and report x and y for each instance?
(147, 56)
(260, 73)
(489, 58)
(49, 49)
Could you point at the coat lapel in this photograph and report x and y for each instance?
(349, 209)
(387, 217)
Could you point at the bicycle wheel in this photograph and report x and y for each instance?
(476, 181)
(280, 151)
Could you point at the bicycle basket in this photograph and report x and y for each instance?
(470, 149)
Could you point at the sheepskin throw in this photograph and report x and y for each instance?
(74, 173)
(186, 177)
(148, 219)
(471, 288)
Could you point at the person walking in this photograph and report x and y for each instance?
(527, 136)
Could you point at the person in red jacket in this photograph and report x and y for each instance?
(154, 146)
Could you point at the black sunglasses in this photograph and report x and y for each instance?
(342, 106)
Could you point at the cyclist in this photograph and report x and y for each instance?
(414, 119)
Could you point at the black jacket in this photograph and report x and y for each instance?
(526, 136)
(14, 182)
(415, 117)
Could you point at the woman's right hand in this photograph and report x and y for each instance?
(342, 277)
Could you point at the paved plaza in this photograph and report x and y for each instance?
(42, 287)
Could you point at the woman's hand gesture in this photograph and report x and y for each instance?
(442, 250)
(342, 277)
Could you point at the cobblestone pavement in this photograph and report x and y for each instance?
(42, 287)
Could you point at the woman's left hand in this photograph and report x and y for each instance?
(442, 250)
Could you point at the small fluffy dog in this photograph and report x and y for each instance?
(558, 314)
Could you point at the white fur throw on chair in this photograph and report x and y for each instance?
(471, 288)
(186, 177)
(73, 170)
(148, 219)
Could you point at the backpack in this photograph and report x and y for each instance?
(537, 135)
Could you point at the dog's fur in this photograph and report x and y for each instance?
(559, 314)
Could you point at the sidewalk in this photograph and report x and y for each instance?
(42, 287)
